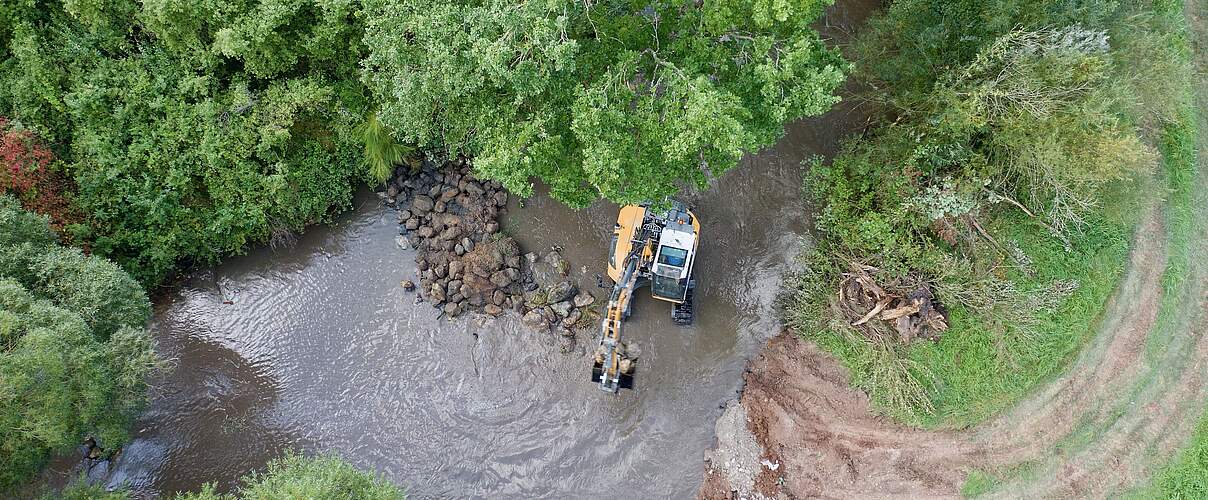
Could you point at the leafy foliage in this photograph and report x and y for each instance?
(73, 350)
(382, 150)
(1008, 129)
(296, 476)
(191, 129)
(622, 100)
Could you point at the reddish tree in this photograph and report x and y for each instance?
(25, 170)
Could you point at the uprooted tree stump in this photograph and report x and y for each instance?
(909, 308)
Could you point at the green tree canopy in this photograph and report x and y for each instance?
(622, 100)
(73, 350)
(296, 476)
(191, 129)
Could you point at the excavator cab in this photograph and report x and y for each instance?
(649, 247)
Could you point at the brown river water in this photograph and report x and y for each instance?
(321, 350)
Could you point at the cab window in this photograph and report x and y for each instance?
(672, 256)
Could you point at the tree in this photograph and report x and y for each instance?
(623, 100)
(296, 476)
(60, 382)
(73, 350)
(190, 129)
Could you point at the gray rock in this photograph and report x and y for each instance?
(411, 224)
(501, 279)
(530, 257)
(501, 198)
(512, 261)
(449, 194)
(572, 318)
(474, 189)
(565, 332)
(584, 299)
(403, 242)
(392, 191)
(451, 233)
(459, 250)
(452, 309)
(455, 268)
(562, 291)
(499, 298)
(492, 227)
(492, 309)
(425, 232)
(423, 265)
(550, 316)
(477, 300)
(408, 285)
(404, 214)
(422, 204)
(534, 319)
(456, 297)
(555, 259)
(439, 207)
(467, 244)
(437, 293)
(455, 286)
(562, 309)
(466, 291)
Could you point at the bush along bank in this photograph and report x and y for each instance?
(466, 264)
(74, 352)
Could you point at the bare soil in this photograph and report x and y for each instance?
(1128, 401)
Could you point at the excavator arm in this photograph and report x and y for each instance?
(613, 369)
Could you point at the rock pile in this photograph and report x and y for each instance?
(463, 261)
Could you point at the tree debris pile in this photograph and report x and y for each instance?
(906, 306)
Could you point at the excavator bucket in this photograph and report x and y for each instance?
(625, 382)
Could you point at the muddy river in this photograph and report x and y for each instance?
(317, 348)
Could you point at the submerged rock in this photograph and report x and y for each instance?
(561, 291)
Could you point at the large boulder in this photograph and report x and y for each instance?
(437, 293)
(562, 308)
(584, 299)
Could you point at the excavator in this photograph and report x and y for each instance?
(652, 247)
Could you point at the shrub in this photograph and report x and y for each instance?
(295, 476)
(60, 382)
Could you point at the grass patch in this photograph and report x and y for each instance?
(984, 363)
(978, 483)
(1185, 477)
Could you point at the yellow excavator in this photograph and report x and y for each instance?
(649, 247)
